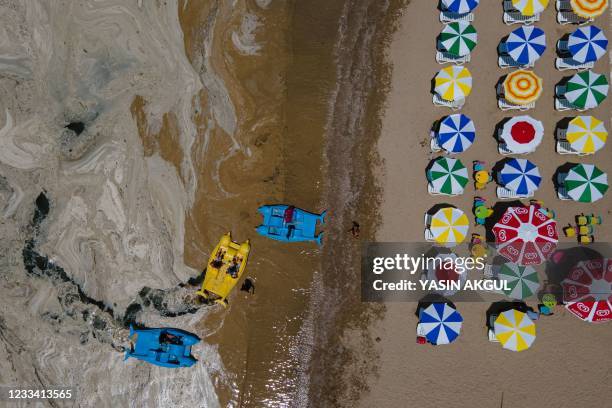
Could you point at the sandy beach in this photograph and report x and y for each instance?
(563, 368)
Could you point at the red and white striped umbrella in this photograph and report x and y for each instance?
(587, 290)
(525, 235)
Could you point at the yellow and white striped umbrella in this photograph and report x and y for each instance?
(453, 83)
(449, 225)
(589, 8)
(522, 87)
(514, 330)
(530, 7)
(586, 134)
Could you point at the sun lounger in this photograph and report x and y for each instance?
(432, 190)
(506, 194)
(492, 337)
(489, 272)
(504, 105)
(515, 17)
(420, 330)
(561, 134)
(444, 57)
(502, 148)
(560, 90)
(427, 220)
(506, 61)
(563, 64)
(429, 236)
(562, 104)
(450, 17)
(569, 17)
(563, 5)
(562, 194)
(563, 147)
(438, 101)
(435, 147)
(562, 46)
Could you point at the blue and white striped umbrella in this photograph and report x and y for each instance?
(520, 176)
(456, 133)
(460, 6)
(526, 44)
(441, 323)
(587, 44)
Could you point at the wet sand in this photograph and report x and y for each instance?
(563, 368)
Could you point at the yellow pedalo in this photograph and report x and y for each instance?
(224, 269)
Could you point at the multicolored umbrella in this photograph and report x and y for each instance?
(525, 235)
(460, 6)
(586, 183)
(586, 90)
(586, 134)
(444, 268)
(530, 7)
(522, 134)
(587, 44)
(526, 44)
(453, 83)
(522, 281)
(587, 290)
(589, 8)
(449, 225)
(520, 176)
(441, 323)
(459, 38)
(448, 176)
(522, 87)
(456, 133)
(514, 330)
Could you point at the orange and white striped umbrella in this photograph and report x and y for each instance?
(530, 7)
(589, 8)
(522, 87)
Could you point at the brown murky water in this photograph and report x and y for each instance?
(305, 123)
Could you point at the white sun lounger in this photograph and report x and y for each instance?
(561, 133)
(427, 220)
(569, 17)
(433, 191)
(504, 105)
(563, 147)
(438, 101)
(450, 17)
(502, 148)
(420, 331)
(443, 57)
(435, 147)
(563, 64)
(506, 194)
(492, 337)
(514, 17)
(506, 61)
(428, 235)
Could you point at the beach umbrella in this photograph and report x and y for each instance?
(526, 44)
(456, 133)
(453, 83)
(525, 235)
(522, 281)
(587, 290)
(530, 7)
(586, 90)
(589, 8)
(587, 44)
(441, 323)
(459, 38)
(586, 183)
(449, 225)
(448, 176)
(522, 134)
(514, 330)
(521, 176)
(522, 87)
(443, 267)
(586, 134)
(460, 6)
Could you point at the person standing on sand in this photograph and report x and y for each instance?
(355, 229)
(248, 286)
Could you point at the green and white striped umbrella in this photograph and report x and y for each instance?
(522, 281)
(459, 38)
(586, 183)
(586, 90)
(448, 176)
